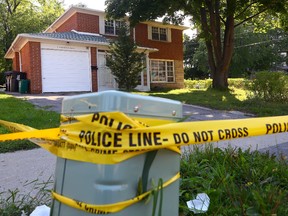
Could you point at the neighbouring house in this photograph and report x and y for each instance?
(69, 56)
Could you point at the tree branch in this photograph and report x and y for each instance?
(245, 9)
(251, 17)
(12, 7)
(15, 5)
(221, 18)
(215, 28)
(205, 29)
(8, 7)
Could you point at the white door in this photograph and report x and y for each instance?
(65, 69)
(106, 80)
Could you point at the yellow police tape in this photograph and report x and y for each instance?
(108, 208)
(111, 137)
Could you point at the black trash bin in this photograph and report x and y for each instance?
(12, 80)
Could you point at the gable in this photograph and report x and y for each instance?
(80, 22)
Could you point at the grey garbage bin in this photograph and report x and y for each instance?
(106, 184)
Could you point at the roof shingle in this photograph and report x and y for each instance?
(77, 36)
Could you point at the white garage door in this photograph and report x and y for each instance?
(65, 69)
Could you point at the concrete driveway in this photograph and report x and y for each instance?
(19, 168)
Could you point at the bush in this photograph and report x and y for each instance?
(239, 83)
(2, 78)
(270, 86)
(206, 83)
(197, 84)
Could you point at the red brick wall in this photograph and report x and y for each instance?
(16, 65)
(31, 64)
(94, 71)
(70, 24)
(81, 22)
(168, 50)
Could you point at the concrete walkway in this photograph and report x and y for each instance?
(22, 167)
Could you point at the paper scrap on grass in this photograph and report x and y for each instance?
(42, 210)
(200, 204)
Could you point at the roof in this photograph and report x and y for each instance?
(73, 36)
(90, 39)
(74, 9)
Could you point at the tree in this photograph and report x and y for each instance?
(215, 20)
(125, 62)
(193, 68)
(24, 16)
(256, 51)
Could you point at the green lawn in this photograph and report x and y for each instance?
(234, 99)
(20, 111)
(23, 112)
(237, 182)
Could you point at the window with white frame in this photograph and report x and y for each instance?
(112, 27)
(159, 33)
(162, 71)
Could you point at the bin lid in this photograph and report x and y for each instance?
(7, 73)
(131, 104)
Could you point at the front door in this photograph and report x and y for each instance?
(106, 80)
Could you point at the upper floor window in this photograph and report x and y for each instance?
(162, 71)
(112, 26)
(159, 34)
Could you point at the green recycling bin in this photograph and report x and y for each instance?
(23, 86)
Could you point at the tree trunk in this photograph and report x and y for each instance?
(219, 53)
(220, 80)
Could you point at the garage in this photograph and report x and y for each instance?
(65, 68)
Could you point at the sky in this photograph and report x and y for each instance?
(100, 5)
(93, 4)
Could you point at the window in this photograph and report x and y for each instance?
(162, 71)
(112, 27)
(159, 33)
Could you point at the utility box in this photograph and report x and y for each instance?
(100, 184)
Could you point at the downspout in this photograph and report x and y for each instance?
(148, 71)
(20, 60)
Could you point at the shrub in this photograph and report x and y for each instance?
(270, 86)
(239, 83)
(2, 78)
(197, 84)
(206, 83)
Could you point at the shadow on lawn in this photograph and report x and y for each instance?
(222, 100)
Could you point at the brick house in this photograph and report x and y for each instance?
(69, 56)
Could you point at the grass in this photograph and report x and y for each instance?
(13, 203)
(237, 182)
(23, 112)
(234, 99)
